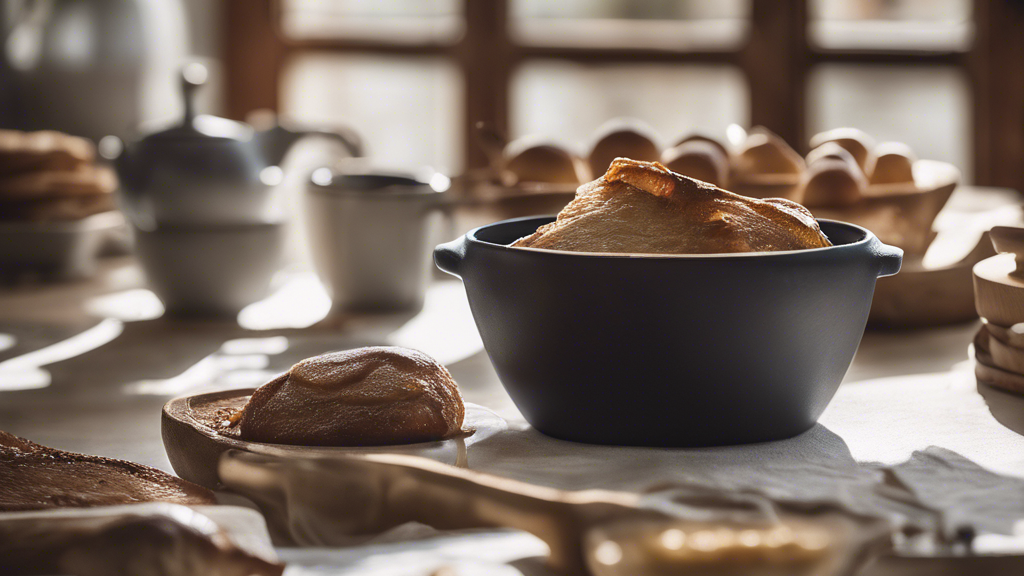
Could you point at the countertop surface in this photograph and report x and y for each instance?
(86, 366)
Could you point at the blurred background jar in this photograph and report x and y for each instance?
(91, 68)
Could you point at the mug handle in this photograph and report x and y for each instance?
(449, 256)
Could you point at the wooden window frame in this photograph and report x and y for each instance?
(775, 58)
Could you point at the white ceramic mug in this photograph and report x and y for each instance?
(210, 270)
(370, 236)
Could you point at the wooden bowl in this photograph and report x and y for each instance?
(194, 446)
(479, 200)
(902, 215)
(938, 288)
(920, 297)
(999, 281)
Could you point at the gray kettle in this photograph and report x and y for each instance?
(206, 170)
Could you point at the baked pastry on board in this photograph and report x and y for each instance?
(364, 397)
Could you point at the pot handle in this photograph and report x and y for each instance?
(889, 258)
(449, 256)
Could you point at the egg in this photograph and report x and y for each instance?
(696, 137)
(892, 163)
(856, 142)
(532, 160)
(831, 151)
(699, 159)
(833, 182)
(622, 138)
(766, 153)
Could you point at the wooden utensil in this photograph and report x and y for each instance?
(194, 442)
(1011, 336)
(327, 501)
(999, 297)
(999, 281)
(1006, 357)
(1001, 372)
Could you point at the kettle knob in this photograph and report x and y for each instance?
(110, 147)
(113, 149)
(193, 76)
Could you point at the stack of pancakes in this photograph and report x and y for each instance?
(49, 176)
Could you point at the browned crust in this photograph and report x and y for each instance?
(365, 397)
(643, 207)
(36, 477)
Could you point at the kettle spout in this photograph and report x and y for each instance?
(274, 143)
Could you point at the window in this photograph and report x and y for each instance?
(413, 76)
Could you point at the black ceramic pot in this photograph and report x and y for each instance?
(676, 350)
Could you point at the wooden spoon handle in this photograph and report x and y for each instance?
(352, 495)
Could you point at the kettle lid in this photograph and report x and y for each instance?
(194, 127)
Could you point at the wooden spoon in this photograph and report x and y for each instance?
(194, 441)
(325, 502)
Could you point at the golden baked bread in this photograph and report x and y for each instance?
(43, 151)
(529, 160)
(644, 208)
(364, 397)
(892, 163)
(700, 160)
(34, 477)
(858, 143)
(625, 138)
(831, 181)
(764, 153)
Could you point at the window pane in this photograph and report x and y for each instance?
(396, 21)
(891, 24)
(666, 24)
(407, 109)
(928, 108)
(567, 101)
